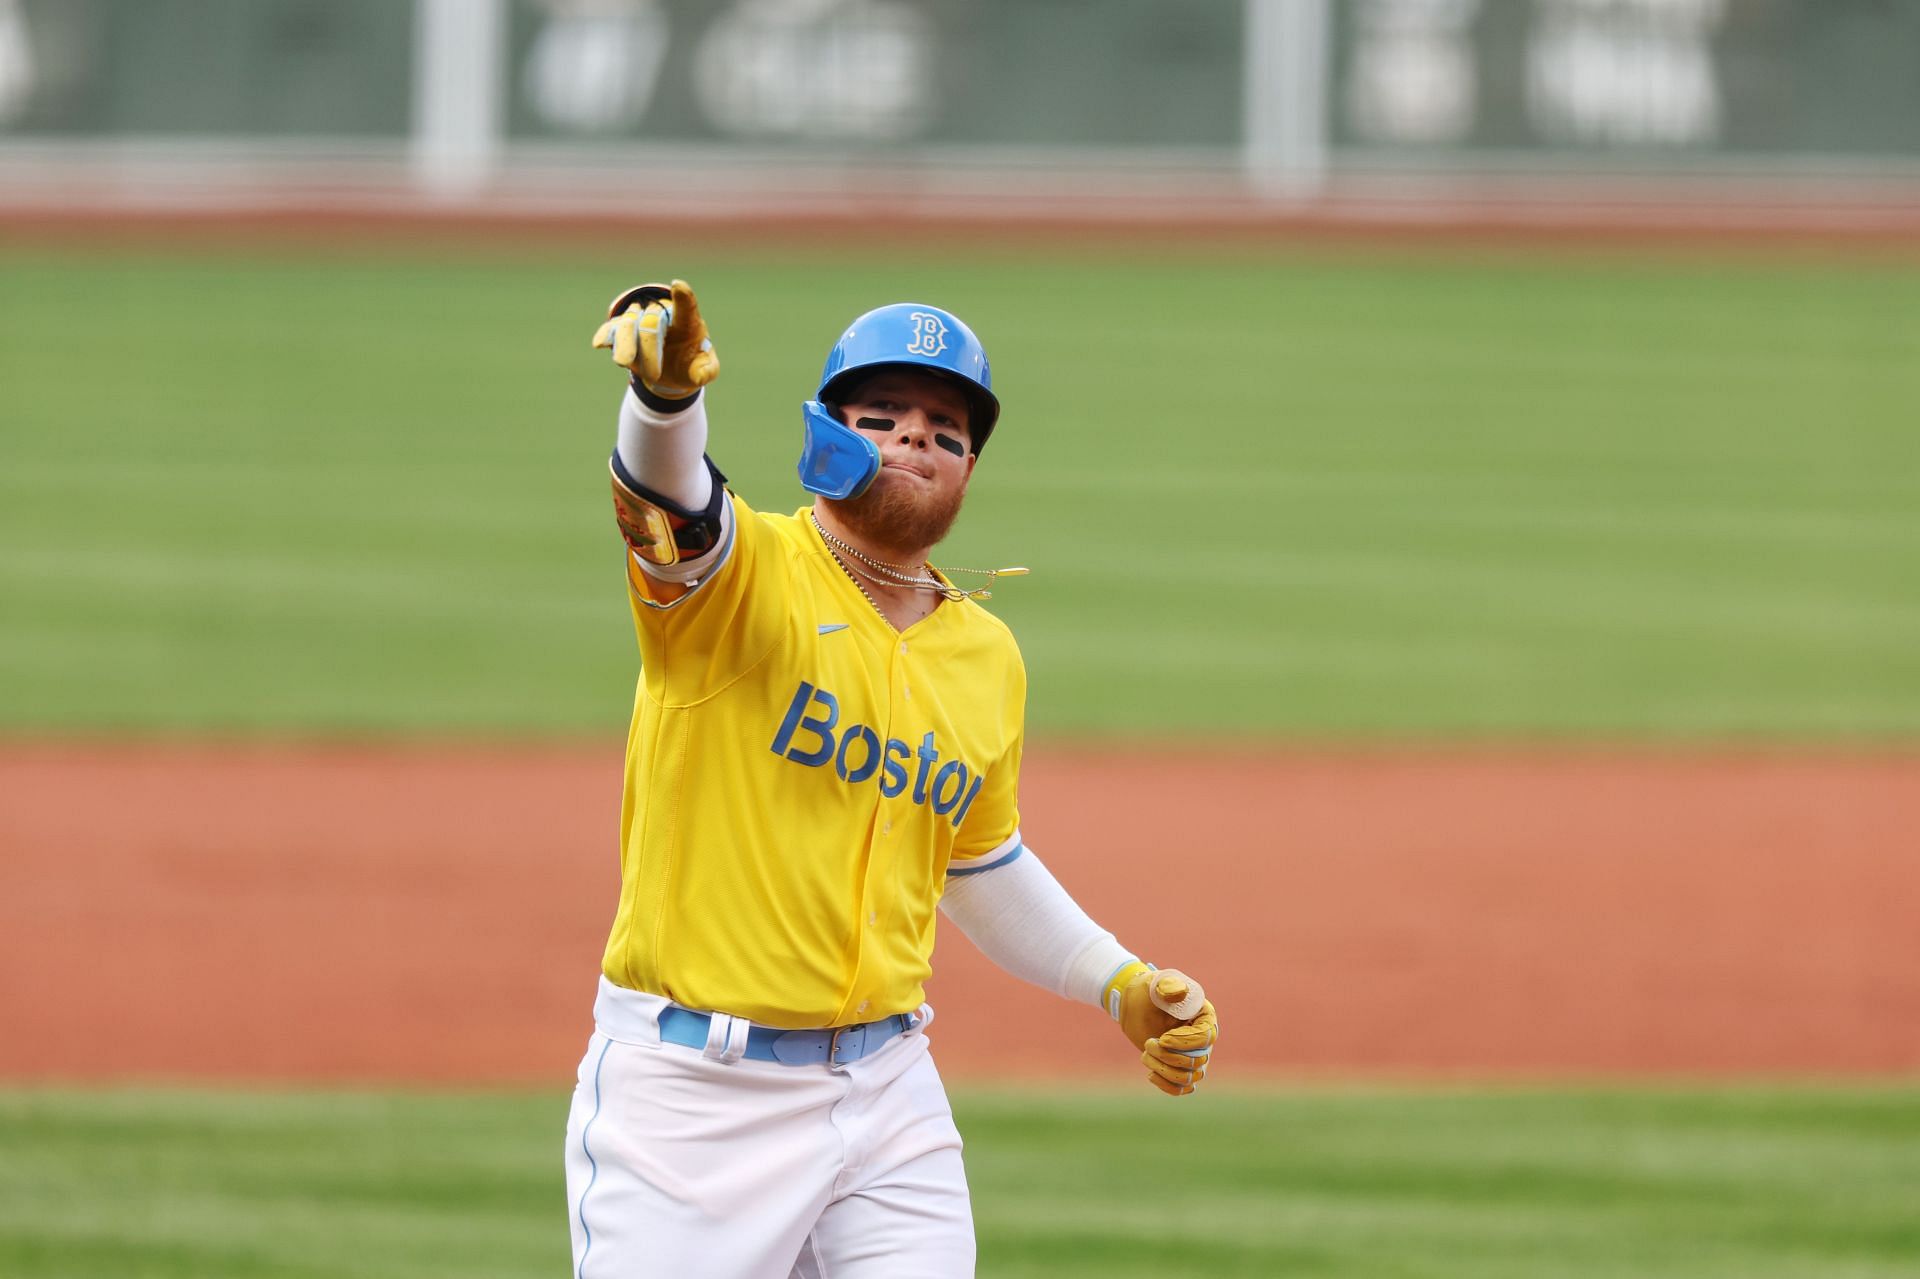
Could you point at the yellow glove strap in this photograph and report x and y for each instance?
(1118, 982)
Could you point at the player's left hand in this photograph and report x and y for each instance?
(1177, 1059)
(656, 333)
(1165, 1014)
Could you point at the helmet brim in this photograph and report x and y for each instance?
(983, 407)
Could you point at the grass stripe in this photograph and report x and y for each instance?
(1780, 1182)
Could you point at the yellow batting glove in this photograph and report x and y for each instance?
(1177, 1059)
(656, 333)
(1165, 1014)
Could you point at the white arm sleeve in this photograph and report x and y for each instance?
(666, 453)
(1020, 918)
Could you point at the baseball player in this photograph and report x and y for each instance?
(825, 748)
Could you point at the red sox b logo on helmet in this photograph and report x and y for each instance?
(929, 334)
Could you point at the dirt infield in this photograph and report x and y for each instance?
(1472, 230)
(436, 916)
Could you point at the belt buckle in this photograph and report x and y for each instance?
(833, 1045)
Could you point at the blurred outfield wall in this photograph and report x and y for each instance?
(988, 108)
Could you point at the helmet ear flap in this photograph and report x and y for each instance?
(836, 461)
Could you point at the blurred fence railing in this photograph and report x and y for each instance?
(105, 100)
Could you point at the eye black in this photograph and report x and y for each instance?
(950, 444)
(875, 423)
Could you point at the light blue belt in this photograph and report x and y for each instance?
(836, 1046)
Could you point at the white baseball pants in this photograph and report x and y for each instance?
(682, 1163)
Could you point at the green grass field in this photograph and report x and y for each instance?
(1737, 1183)
(1360, 496)
(1348, 496)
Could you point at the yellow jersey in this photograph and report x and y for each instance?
(800, 780)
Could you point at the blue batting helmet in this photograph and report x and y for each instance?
(838, 461)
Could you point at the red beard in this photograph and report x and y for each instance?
(899, 515)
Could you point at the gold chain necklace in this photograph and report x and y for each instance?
(896, 575)
(853, 577)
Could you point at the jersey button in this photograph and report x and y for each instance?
(903, 648)
(887, 829)
(873, 917)
(906, 692)
(864, 1005)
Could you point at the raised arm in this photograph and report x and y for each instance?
(668, 497)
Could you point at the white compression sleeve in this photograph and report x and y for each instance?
(665, 451)
(1021, 919)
